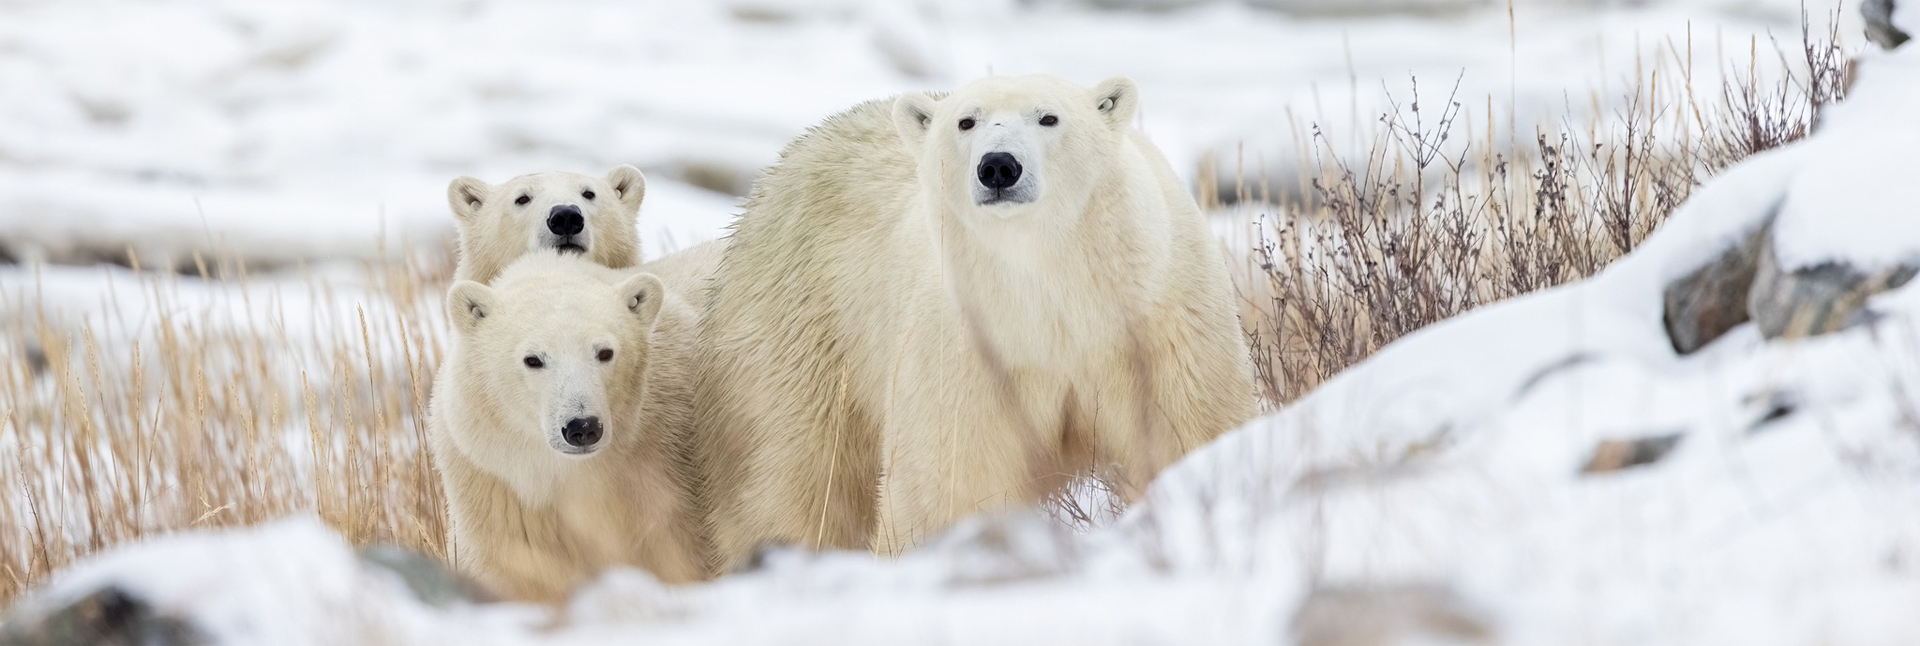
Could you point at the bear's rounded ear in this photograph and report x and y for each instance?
(630, 184)
(465, 195)
(1116, 98)
(467, 303)
(912, 114)
(641, 294)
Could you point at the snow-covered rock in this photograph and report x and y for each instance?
(1879, 25)
(289, 582)
(1818, 298)
(1712, 300)
(1839, 231)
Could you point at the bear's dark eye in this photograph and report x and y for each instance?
(524, 199)
(1049, 120)
(534, 362)
(966, 124)
(588, 195)
(606, 354)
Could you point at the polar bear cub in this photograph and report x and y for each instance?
(569, 212)
(559, 425)
(958, 303)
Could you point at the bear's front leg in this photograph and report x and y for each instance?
(800, 473)
(950, 449)
(1183, 384)
(928, 487)
(524, 572)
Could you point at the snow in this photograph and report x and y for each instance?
(1837, 208)
(230, 583)
(1793, 530)
(71, 215)
(1450, 460)
(308, 129)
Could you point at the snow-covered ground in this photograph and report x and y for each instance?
(1434, 492)
(311, 129)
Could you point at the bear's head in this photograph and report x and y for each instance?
(1006, 147)
(556, 350)
(569, 212)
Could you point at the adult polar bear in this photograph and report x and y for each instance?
(979, 296)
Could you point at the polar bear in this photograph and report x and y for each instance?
(570, 212)
(977, 297)
(560, 423)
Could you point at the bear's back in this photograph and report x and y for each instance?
(807, 267)
(837, 194)
(842, 179)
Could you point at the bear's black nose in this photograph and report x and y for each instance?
(565, 220)
(583, 431)
(999, 170)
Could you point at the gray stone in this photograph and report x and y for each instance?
(1712, 299)
(108, 616)
(429, 579)
(1878, 15)
(1817, 299)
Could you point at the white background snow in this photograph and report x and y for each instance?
(312, 131)
(309, 129)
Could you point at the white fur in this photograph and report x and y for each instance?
(496, 230)
(873, 314)
(531, 514)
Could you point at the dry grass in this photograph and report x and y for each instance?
(1439, 217)
(216, 399)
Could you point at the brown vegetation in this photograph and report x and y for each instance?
(1430, 223)
(213, 400)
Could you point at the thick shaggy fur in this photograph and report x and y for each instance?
(687, 273)
(495, 229)
(871, 316)
(533, 521)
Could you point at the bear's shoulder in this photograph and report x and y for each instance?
(869, 123)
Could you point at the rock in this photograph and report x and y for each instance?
(427, 577)
(1816, 299)
(108, 616)
(1387, 614)
(1880, 28)
(1712, 299)
(1615, 455)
